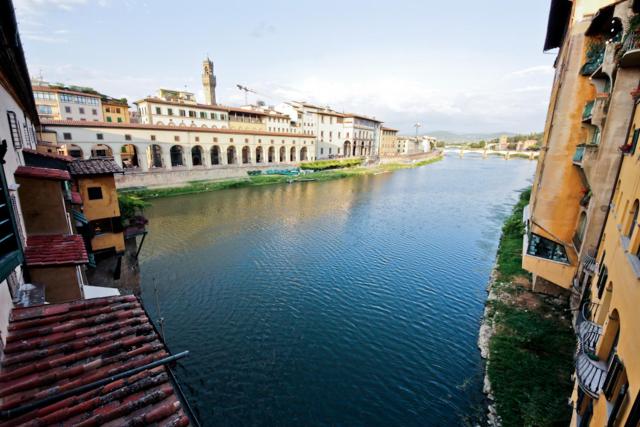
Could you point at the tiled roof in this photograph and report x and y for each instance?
(94, 167)
(42, 173)
(48, 155)
(57, 348)
(52, 250)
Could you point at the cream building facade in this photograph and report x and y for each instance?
(56, 103)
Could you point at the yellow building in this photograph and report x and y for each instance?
(244, 119)
(388, 142)
(608, 362)
(589, 113)
(115, 110)
(97, 188)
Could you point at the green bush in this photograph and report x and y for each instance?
(130, 205)
(331, 164)
(509, 258)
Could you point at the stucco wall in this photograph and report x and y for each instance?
(61, 283)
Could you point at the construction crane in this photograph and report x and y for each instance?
(246, 92)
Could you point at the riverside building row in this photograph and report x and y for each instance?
(70, 353)
(582, 231)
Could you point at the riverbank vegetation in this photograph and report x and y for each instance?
(531, 348)
(195, 187)
(330, 164)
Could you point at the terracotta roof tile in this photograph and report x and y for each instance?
(58, 249)
(94, 167)
(55, 348)
(48, 155)
(42, 173)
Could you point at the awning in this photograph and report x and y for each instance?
(601, 21)
(79, 216)
(559, 15)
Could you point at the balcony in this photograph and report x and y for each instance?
(588, 111)
(590, 371)
(595, 56)
(578, 155)
(630, 50)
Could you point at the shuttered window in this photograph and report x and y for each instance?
(633, 420)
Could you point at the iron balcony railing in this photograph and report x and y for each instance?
(590, 371)
(578, 155)
(588, 110)
(595, 57)
(589, 263)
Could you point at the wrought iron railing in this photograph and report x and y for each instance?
(595, 57)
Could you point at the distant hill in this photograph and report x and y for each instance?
(453, 137)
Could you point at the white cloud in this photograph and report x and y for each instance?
(536, 70)
(35, 7)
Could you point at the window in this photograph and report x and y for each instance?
(66, 136)
(192, 113)
(94, 112)
(127, 137)
(95, 193)
(634, 141)
(152, 137)
(118, 110)
(329, 150)
(197, 139)
(67, 109)
(544, 248)
(16, 136)
(230, 139)
(45, 109)
(158, 110)
(81, 110)
(109, 119)
(170, 111)
(246, 140)
(99, 136)
(203, 115)
(213, 116)
(634, 218)
(119, 119)
(215, 139)
(602, 280)
(176, 138)
(182, 113)
(322, 151)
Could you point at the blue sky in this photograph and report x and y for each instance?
(462, 66)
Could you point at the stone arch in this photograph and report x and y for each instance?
(160, 123)
(346, 149)
(215, 155)
(72, 150)
(154, 154)
(203, 126)
(232, 156)
(196, 155)
(610, 335)
(177, 155)
(271, 155)
(292, 154)
(101, 150)
(283, 155)
(259, 156)
(129, 154)
(246, 155)
(303, 154)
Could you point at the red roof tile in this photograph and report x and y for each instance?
(54, 250)
(56, 348)
(42, 173)
(48, 155)
(94, 167)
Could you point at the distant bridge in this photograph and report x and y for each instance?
(486, 152)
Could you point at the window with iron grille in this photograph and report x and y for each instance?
(16, 137)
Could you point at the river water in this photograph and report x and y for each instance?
(349, 302)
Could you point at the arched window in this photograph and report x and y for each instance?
(231, 155)
(196, 156)
(155, 156)
(176, 156)
(129, 154)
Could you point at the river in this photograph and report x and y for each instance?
(348, 302)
